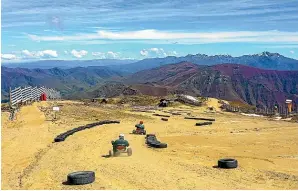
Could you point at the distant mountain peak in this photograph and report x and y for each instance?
(268, 54)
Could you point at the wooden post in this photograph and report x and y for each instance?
(10, 103)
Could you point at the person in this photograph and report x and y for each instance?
(140, 125)
(120, 141)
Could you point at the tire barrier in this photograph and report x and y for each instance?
(64, 135)
(204, 123)
(200, 118)
(161, 115)
(227, 163)
(176, 113)
(172, 113)
(81, 177)
(152, 141)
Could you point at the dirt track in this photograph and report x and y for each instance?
(266, 151)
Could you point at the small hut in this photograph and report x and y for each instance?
(163, 103)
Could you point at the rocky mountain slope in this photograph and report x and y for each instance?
(226, 81)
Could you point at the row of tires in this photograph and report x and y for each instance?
(64, 135)
(152, 141)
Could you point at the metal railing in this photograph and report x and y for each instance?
(21, 95)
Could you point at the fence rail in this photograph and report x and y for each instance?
(281, 110)
(20, 95)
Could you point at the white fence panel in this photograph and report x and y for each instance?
(19, 95)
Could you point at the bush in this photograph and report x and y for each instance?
(141, 100)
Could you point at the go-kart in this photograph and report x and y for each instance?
(139, 131)
(120, 149)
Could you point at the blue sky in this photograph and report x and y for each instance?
(134, 29)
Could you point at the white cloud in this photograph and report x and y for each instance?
(144, 52)
(51, 53)
(112, 54)
(8, 56)
(154, 50)
(280, 46)
(292, 51)
(27, 53)
(157, 52)
(100, 55)
(79, 54)
(65, 52)
(40, 54)
(179, 37)
(109, 54)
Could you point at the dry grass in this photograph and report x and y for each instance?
(142, 100)
(266, 150)
(243, 106)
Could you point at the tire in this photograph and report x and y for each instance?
(163, 145)
(164, 119)
(199, 118)
(63, 136)
(90, 125)
(158, 145)
(59, 139)
(71, 132)
(144, 133)
(81, 177)
(152, 140)
(227, 163)
(150, 135)
(204, 123)
(129, 151)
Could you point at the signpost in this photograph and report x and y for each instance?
(56, 109)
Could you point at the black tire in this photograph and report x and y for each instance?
(63, 136)
(161, 115)
(199, 118)
(150, 135)
(158, 145)
(227, 163)
(71, 132)
(90, 125)
(81, 177)
(144, 133)
(59, 139)
(152, 140)
(162, 145)
(204, 123)
(164, 119)
(129, 151)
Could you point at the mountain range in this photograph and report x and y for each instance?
(162, 76)
(66, 64)
(264, 60)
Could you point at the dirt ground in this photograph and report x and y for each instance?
(267, 151)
